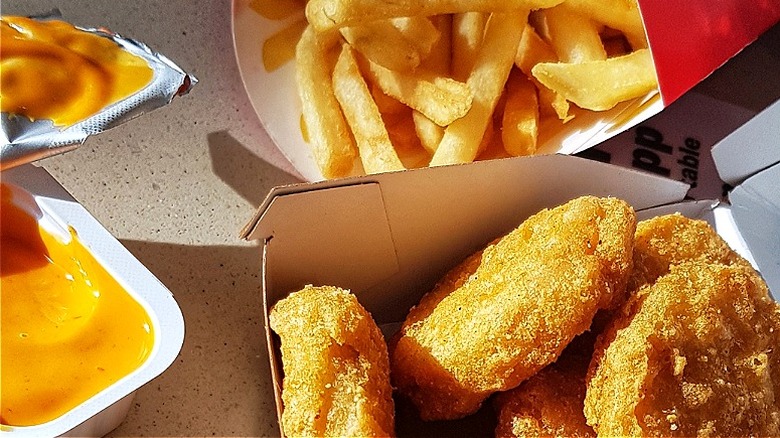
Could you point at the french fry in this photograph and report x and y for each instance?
(531, 51)
(382, 42)
(573, 37)
(375, 148)
(330, 14)
(520, 122)
(397, 118)
(428, 132)
(387, 106)
(468, 29)
(419, 31)
(440, 57)
(439, 98)
(329, 136)
(439, 61)
(494, 148)
(622, 15)
(600, 85)
(487, 137)
(406, 142)
(461, 139)
(279, 48)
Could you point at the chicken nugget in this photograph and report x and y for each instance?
(550, 403)
(508, 311)
(668, 240)
(698, 356)
(662, 242)
(336, 366)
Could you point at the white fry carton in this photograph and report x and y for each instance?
(688, 42)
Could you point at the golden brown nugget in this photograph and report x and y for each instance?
(336, 367)
(664, 241)
(508, 311)
(698, 356)
(550, 403)
(668, 240)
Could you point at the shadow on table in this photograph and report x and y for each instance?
(249, 175)
(220, 380)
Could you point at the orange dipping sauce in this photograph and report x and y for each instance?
(52, 70)
(69, 330)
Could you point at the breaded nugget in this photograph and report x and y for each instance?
(668, 240)
(336, 367)
(550, 403)
(664, 241)
(508, 311)
(697, 356)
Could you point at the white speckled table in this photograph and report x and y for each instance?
(175, 187)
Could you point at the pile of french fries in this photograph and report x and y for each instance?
(407, 84)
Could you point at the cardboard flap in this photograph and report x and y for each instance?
(340, 236)
(274, 355)
(751, 148)
(756, 209)
(689, 40)
(429, 217)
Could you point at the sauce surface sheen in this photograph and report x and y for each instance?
(69, 329)
(53, 70)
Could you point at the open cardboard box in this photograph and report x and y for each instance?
(389, 237)
(749, 159)
(688, 41)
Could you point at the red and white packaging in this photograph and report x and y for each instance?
(688, 41)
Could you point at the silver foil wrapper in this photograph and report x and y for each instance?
(24, 140)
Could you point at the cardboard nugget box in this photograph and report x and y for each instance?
(688, 40)
(389, 237)
(749, 159)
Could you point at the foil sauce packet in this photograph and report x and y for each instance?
(62, 83)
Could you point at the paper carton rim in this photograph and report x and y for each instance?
(248, 232)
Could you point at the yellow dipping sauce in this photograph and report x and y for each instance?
(52, 70)
(68, 329)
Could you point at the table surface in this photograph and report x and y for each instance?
(176, 186)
